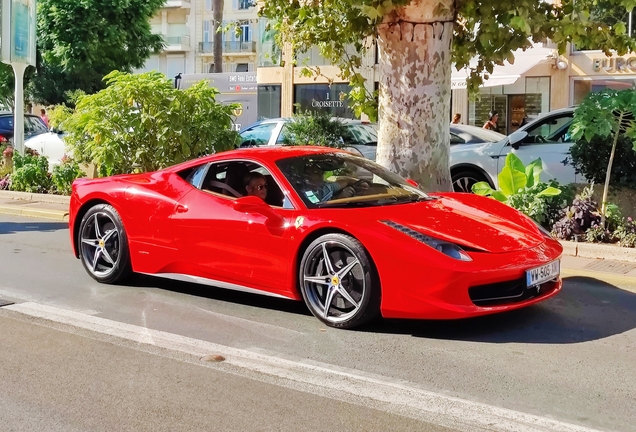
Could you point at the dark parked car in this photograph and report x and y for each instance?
(33, 125)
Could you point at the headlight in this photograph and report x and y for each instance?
(447, 248)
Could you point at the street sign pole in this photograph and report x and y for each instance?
(18, 112)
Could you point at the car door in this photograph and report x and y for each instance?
(218, 242)
(547, 139)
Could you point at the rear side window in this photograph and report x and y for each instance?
(361, 134)
(257, 135)
(6, 122)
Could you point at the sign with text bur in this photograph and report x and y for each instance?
(18, 20)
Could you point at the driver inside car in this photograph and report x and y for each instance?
(320, 190)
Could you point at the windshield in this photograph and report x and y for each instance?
(361, 134)
(343, 180)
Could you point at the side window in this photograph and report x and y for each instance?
(229, 179)
(549, 130)
(456, 139)
(34, 126)
(196, 175)
(258, 135)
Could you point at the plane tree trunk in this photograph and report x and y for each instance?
(414, 101)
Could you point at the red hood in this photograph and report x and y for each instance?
(468, 220)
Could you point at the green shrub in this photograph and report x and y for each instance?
(314, 128)
(30, 174)
(577, 219)
(591, 159)
(140, 122)
(520, 188)
(64, 174)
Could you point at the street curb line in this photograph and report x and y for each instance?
(598, 251)
(28, 196)
(58, 215)
(605, 277)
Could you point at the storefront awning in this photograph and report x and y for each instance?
(508, 73)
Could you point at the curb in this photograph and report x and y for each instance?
(598, 251)
(15, 210)
(27, 196)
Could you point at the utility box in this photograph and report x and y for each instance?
(233, 87)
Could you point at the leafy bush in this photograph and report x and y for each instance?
(626, 233)
(30, 173)
(5, 182)
(64, 174)
(141, 122)
(606, 114)
(591, 159)
(597, 234)
(520, 188)
(314, 128)
(579, 217)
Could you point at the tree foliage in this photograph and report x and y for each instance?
(487, 30)
(142, 123)
(606, 114)
(80, 41)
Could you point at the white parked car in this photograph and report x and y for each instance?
(49, 144)
(547, 138)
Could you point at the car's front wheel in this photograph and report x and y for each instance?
(338, 281)
(464, 180)
(103, 245)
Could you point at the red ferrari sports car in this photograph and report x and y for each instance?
(338, 231)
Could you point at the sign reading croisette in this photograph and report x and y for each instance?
(327, 103)
(614, 64)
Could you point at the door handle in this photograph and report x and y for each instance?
(181, 208)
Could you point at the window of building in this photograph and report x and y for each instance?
(208, 5)
(244, 4)
(206, 30)
(582, 87)
(246, 33)
(269, 53)
(242, 67)
(323, 97)
(268, 101)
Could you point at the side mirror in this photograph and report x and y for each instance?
(412, 182)
(250, 203)
(516, 138)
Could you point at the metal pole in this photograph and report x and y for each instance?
(18, 111)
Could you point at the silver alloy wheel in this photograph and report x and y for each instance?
(100, 244)
(334, 281)
(464, 184)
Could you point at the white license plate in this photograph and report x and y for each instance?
(538, 275)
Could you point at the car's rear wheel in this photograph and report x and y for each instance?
(338, 281)
(463, 181)
(103, 245)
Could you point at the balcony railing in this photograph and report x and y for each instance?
(229, 47)
(177, 42)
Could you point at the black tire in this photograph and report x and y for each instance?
(349, 273)
(464, 180)
(103, 245)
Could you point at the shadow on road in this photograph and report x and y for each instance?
(222, 294)
(586, 309)
(14, 227)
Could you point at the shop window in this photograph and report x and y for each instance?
(324, 98)
(268, 101)
(583, 87)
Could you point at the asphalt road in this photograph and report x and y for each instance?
(570, 359)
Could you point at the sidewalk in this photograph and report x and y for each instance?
(606, 262)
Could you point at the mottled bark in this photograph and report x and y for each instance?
(217, 14)
(414, 105)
